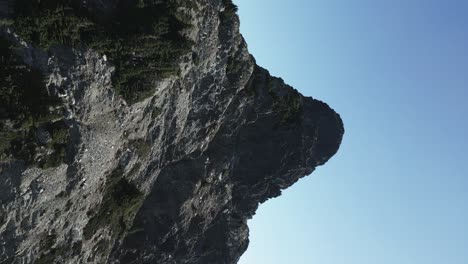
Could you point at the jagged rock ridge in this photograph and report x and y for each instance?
(168, 176)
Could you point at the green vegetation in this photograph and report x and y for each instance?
(22, 88)
(26, 107)
(135, 169)
(230, 9)
(58, 143)
(140, 147)
(49, 24)
(5, 22)
(49, 253)
(140, 38)
(289, 107)
(155, 112)
(120, 203)
(193, 5)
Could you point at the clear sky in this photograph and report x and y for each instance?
(397, 72)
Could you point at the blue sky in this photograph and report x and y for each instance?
(397, 72)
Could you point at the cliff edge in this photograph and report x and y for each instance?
(142, 132)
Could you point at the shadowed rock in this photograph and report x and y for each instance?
(171, 178)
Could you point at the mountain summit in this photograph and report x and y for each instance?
(142, 132)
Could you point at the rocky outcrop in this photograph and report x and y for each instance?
(171, 178)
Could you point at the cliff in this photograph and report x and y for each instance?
(142, 132)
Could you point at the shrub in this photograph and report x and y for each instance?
(289, 108)
(141, 38)
(49, 251)
(141, 148)
(120, 203)
(230, 9)
(25, 107)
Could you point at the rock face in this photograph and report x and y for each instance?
(172, 178)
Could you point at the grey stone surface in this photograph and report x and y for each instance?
(221, 140)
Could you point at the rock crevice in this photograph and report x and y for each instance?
(171, 177)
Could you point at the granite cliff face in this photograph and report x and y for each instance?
(103, 176)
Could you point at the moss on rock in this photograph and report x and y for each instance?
(121, 201)
(141, 38)
(26, 107)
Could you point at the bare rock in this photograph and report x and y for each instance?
(169, 179)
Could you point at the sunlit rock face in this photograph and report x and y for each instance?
(151, 143)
